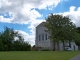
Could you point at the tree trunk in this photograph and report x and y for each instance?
(70, 44)
(63, 45)
(54, 45)
(58, 48)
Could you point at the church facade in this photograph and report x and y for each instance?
(42, 41)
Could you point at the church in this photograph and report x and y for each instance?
(42, 41)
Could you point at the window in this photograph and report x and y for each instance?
(42, 36)
(45, 36)
(39, 37)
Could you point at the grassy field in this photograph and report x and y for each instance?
(38, 55)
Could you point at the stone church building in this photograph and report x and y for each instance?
(42, 41)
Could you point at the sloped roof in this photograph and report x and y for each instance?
(41, 24)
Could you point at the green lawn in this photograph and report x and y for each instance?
(38, 55)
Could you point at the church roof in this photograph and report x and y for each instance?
(41, 24)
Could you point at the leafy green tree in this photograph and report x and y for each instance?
(77, 41)
(26, 46)
(8, 42)
(78, 28)
(7, 37)
(60, 28)
(21, 39)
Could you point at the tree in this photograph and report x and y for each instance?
(7, 37)
(8, 42)
(21, 39)
(60, 28)
(77, 41)
(78, 28)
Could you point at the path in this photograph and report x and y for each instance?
(76, 57)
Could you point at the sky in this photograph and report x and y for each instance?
(24, 15)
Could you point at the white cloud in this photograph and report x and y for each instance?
(29, 38)
(72, 8)
(33, 25)
(74, 15)
(5, 19)
(23, 11)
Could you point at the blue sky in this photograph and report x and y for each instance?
(25, 15)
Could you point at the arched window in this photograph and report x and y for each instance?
(45, 36)
(42, 36)
(39, 37)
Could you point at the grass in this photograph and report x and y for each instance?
(38, 55)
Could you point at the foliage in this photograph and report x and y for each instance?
(78, 28)
(45, 50)
(33, 48)
(77, 41)
(8, 42)
(60, 28)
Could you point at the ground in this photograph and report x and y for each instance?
(38, 55)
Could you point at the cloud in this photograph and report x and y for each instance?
(23, 11)
(33, 25)
(74, 15)
(2, 19)
(29, 38)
